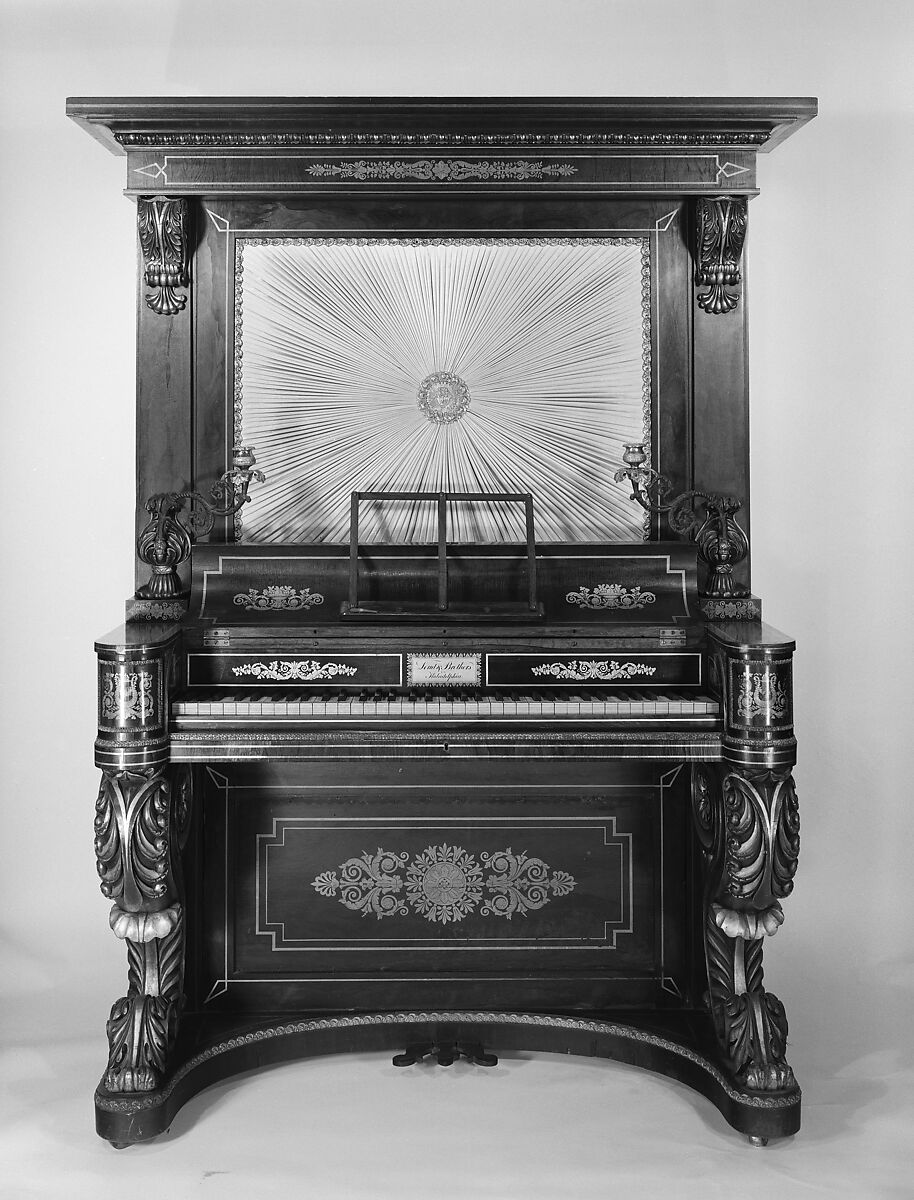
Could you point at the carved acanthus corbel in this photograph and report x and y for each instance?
(162, 223)
(748, 828)
(141, 825)
(720, 227)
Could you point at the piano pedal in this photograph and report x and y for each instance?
(446, 1053)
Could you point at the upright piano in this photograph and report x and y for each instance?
(443, 720)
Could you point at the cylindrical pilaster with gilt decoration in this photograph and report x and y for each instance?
(138, 668)
(142, 818)
(751, 667)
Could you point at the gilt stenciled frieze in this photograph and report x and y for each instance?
(610, 595)
(278, 597)
(451, 170)
(448, 168)
(597, 670)
(286, 670)
(162, 224)
(444, 884)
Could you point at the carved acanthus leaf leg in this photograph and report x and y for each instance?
(141, 823)
(142, 1025)
(748, 828)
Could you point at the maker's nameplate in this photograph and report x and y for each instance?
(444, 670)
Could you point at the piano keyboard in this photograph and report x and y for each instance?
(383, 705)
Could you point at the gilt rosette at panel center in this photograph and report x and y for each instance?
(441, 364)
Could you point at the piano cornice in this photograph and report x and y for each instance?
(360, 123)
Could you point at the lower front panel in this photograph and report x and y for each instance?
(323, 892)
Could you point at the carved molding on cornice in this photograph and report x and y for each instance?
(362, 140)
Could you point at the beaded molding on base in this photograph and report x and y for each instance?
(606, 1028)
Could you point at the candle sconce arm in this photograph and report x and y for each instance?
(177, 519)
(708, 518)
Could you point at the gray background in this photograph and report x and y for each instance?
(829, 253)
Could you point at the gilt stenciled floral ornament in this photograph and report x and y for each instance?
(600, 670)
(278, 597)
(444, 884)
(610, 595)
(286, 670)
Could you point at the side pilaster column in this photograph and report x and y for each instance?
(746, 819)
(142, 819)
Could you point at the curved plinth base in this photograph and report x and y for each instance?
(679, 1045)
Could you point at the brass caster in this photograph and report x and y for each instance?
(757, 1141)
(119, 1145)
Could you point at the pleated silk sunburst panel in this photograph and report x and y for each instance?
(425, 365)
